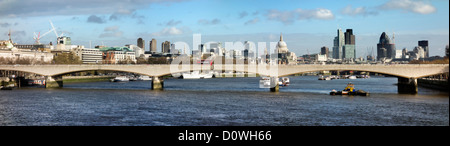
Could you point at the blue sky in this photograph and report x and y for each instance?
(307, 25)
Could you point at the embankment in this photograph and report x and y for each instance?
(438, 84)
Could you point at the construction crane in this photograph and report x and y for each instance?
(38, 36)
(56, 33)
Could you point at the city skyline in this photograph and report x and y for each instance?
(305, 24)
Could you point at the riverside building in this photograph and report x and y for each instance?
(9, 51)
(115, 55)
(89, 55)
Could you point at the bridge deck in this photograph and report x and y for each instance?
(402, 70)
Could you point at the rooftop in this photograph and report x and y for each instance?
(125, 49)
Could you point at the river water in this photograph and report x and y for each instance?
(223, 102)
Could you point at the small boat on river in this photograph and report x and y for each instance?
(121, 79)
(284, 81)
(350, 90)
(359, 92)
(144, 78)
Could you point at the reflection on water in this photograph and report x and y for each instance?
(230, 101)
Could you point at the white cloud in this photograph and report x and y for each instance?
(172, 23)
(19, 33)
(253, 21)
(288, 17)
(111, 34)
(112, 31)
(5, 24)
(315, 14)
(209, 22)
(112, 28)
(357, 11)
(243, 14)
(27, 8)
(95, 19)
(415, 6)
(168, 32)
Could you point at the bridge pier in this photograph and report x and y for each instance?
(157, 83)
(274, 81)
(407, 85)
(53, 82)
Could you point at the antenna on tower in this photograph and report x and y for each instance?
(9, 35)
(393, 37)
(372, 52)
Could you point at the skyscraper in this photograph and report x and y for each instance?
(141, 43)
(324, 51)
(446, 51)
(385, 49)
(349, 49)
(202, 48)
(426, 49)
(339, 41)
(420, 52)
(165, 47)
(349, 37)
(153, 45)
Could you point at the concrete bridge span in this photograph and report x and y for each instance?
(407, 73)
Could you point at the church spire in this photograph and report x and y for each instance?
(281, 37)
(9, 35)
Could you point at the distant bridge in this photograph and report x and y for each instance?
(407, 73)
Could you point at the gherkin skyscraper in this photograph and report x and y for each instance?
(385, 49)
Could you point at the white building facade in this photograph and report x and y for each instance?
(88, 55)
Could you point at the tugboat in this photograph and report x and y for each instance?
(350, 90)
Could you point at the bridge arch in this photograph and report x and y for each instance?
(309, 71)
(404, 70)
(116, 70)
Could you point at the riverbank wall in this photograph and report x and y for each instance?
(437, 84)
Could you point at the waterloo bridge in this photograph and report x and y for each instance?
(407, 74)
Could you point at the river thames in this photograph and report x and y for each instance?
(223, 102)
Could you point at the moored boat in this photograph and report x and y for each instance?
(322, 77)
(264, 82)
(193, 75)
(197, 75)
(8, 87)
(284, 81)
(144, 78)
(132, 78)
(121, 79)
(327, 78)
